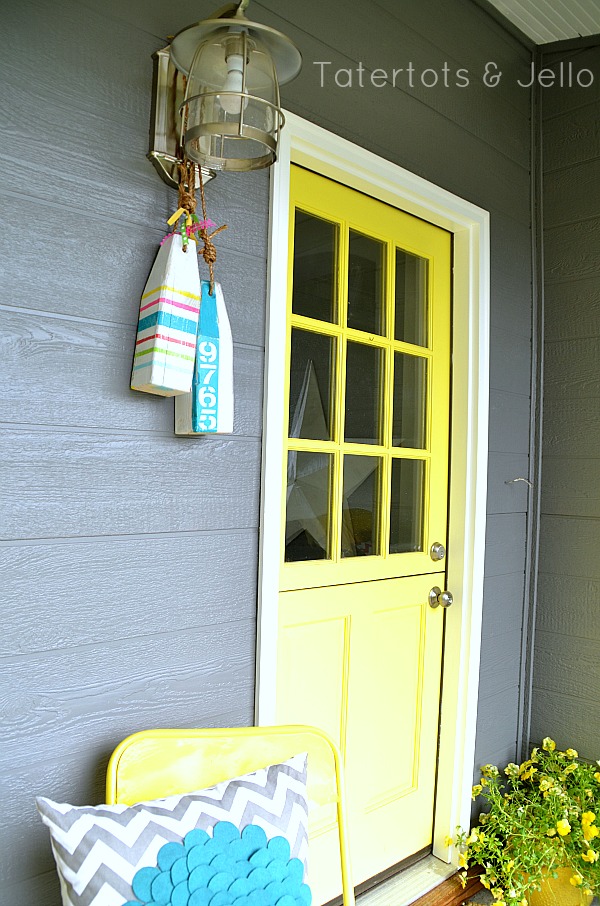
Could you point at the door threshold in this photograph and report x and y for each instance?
(408, 885)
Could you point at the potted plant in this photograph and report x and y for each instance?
(538, 826)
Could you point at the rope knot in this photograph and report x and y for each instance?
(209, 252)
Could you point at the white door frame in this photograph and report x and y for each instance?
(328, 154)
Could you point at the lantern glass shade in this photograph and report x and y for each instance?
(230, 117)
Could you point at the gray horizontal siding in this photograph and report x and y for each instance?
(572, 137)
(565, 303)
(65, 573)
(63, 484)
(561, 712)
(582, 593)
(124, 680)
(566, 675)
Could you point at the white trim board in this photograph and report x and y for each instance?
(317, 149)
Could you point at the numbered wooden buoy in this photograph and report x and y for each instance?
(208, 409)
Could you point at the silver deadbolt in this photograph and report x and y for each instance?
(439, 598)
(437, 551)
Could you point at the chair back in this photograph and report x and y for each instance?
(153, 764)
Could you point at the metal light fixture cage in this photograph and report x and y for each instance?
(230, 116)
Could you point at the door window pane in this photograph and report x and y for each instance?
(406, 506)
(411, 298)
(365, 284)
(307, 526)
(410, 394)
(360, 506)
(315, 254)
(363, 394)
(311, 382)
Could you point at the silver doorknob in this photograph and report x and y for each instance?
(439, 598)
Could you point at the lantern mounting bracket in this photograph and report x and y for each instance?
(165, 150)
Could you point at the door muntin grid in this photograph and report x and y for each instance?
(364, 393)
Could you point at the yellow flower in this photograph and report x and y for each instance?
(448, 841)
(597, 776)
(485, 882)
(563, 827)
(523, 902)
(576, 880)
(570, 769)
(473, 837)
(462, 860)
(476, 791)
(590, 856)
(462, 877)
(548, 745)
(572, 753)
(587, 825)
(510, 865)
(551, 832)
(497, 894)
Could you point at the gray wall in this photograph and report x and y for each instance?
(566, 700)
(129, 555)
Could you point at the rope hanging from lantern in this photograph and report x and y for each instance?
(190, 226)
(209, 252)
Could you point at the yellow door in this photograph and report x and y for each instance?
(364, 503)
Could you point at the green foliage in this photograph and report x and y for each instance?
(541, 816)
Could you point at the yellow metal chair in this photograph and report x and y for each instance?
(157, 763)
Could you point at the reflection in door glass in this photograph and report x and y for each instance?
(406, 506)
(360, 506)
(363, 394)
(315, 252)
(307, 511)
(410, 393)
(365, 284)
(411, 299)
(311, 370)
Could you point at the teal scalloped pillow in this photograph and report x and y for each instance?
(228, 869)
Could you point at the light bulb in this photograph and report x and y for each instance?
(234, 82)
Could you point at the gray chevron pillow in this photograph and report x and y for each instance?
(99, 849)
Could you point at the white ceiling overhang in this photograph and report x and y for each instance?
(545, 21)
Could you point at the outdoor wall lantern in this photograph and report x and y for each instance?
(216, 97)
